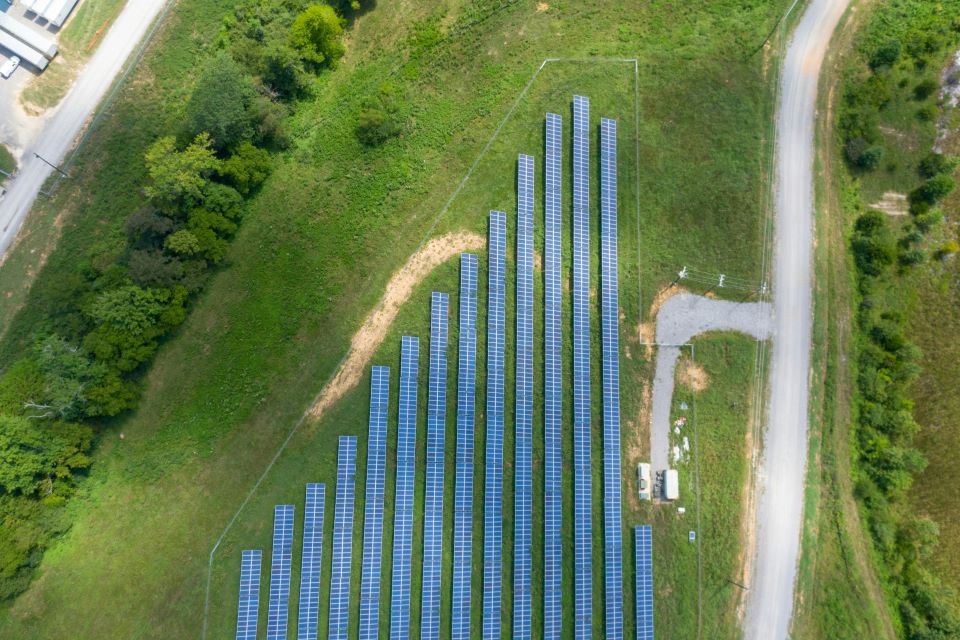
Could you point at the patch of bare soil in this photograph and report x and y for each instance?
(892, 204)
(692, 375)
(368, 338)
(542, 6)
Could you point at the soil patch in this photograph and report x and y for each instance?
(693, 376)
(892, 204)
(368, 338)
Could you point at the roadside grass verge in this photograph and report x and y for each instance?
(696, 584)
(78, 40)
(322, 238)
(7, 162)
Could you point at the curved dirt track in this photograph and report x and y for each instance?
(368, 338)
(782, 471)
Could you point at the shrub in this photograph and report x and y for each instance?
(933, 189)
(885, 55)
(247, 168)
(934, 164)
(862, 155)
(315, 35)
(375, 126)
(220, 104)
(925, 88)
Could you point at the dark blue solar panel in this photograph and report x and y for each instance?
(523, 494)
(582, 531)
(643, 539)
(310, 567)
(553, 385)
(609, 307)
(280, 560)
(249, 605)
(466, 407)
(373, 504)
(403, 505)
(339, 617)
(493, 462)
(433, 497)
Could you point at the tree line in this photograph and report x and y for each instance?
(85, 364)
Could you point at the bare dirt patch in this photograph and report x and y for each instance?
(368, 338)
(693, 376)
(542, 6)
(892, 204)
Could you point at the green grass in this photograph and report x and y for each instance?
(78, 40)
(698, 582)
(7, 162)
(316, 248)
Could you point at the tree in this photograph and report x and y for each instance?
(152, 268)
(67, 373)
(247, 168)
(934, 164)
(220, 104)
(925, 88)
(933, 190)
(31, 452)
(283, 71)
(863, 155)
(183, 243)
(177, 178)
(147, 228)
(315, 35)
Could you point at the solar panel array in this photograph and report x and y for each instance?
(433, 498)
(466, 407)
(339, 616)
(644, 581)
(583, 532)
(553, 386)
(373, 504)
(523, 494)
(403, 505)
(280, 560)
(310, 565)
(493, 462)
(249, 605)
(609, 315)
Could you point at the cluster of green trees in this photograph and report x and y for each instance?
(902, 49)
(87, 361)
(887, 362)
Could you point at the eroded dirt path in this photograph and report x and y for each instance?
(369, 337)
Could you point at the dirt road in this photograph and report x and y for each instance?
(781, 476)
(60, 132)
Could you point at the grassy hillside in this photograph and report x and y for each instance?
(319, 242)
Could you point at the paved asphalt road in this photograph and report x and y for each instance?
(680, 319)
(60, 132)
(781, 476)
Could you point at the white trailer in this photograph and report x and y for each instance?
(58, 11)
(643, 480)
(671, 485)
(20, 49)
(27, 35)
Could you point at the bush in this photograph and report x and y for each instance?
(933, 189)
(925, 88)
(862, 155)
(885, 55)
(315, 34)
(375, 126)
(247, 168)
(934, 164)
(220, 104)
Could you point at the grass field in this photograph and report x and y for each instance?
(318, 244)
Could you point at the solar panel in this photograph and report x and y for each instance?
(339, 616)
(403, 505)
(582, 531)
(280, 560)
(373, 504)
(466, 406)
(249, 605)
(310, 567)
(493, 462)
(644, 581)
(523, 493)
(433, 497)
(609, 307)
(553, 385)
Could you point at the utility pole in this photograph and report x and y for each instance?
(47, 162)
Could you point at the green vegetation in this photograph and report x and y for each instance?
(7, 162)
(888, 97)
(318, 241)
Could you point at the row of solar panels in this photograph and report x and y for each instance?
(493, 509)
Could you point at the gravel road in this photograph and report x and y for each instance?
(62, 128)
(681, 318)
(781, 475)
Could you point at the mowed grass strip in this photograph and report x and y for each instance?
(319, 243)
